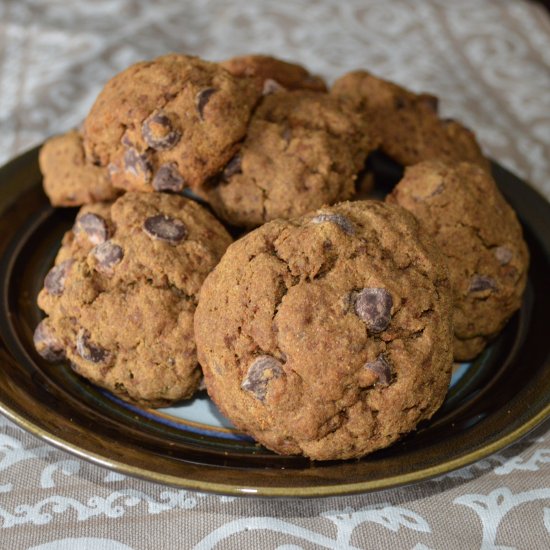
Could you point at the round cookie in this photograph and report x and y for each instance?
(68, 179)
(121, 297)
(408, 125)
(479, 233)
(168, 124)
(273, 73)
(329, 335)
(303, 150)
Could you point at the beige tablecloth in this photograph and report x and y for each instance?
(489, 61)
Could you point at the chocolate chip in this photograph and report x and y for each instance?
(399, 103)
(202, 99)
(373, 306)
(54, 282)
(382, 368)
(165, 228)
(429, 101)
(260, 373)
(327, 245)
(94, 226)
(107, 254)
(479, 283)
(341, 221)
(168, 178)
(232, 167)
(159, 133)
(431, 187)
(437, 191)
(271, 87)
(46, 343)
(503, 255)
(89, 351)
(138, 164)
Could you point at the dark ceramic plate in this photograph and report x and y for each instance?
(492, 402)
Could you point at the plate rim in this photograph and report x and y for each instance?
(329, 490)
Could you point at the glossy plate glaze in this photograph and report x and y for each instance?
(493, 402)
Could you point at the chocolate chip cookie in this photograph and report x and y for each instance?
(168, 124)
(69, 180)
(303, 150)
(272, 73)
(462, 208)
(408, 125)
(121, 296)
(329, 335)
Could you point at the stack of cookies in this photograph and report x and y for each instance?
(329, 327)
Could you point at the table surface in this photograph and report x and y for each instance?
(490, 64)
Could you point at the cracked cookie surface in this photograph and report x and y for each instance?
(303, 150)
(328, 335)
(270, 72)
(168, 124)
(69, 180)
(408, 125)
(121, 296)
(481, 238)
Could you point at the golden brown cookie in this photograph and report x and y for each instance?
(121, 297)
(168, 124)
(303, 150)
(273, 73)
(462, 208)
(407, 123)
(68, 179)
(329, 335)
